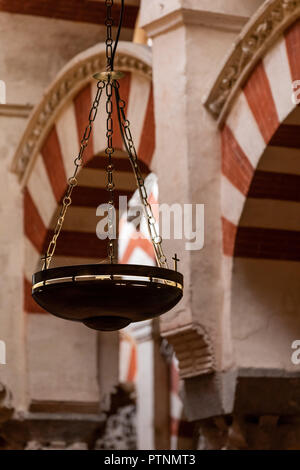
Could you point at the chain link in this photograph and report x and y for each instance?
(131, 150)
(72, 181)
(132, 153)
(110, 185)
(109, 40)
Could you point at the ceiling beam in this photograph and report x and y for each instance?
(85, 11)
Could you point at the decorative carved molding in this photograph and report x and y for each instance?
(193, 350)
(55, 445)
(16, 110)
(257, 37)
(131, 58)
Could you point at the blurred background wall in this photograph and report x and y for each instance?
(210, 98)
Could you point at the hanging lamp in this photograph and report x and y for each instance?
(108, 296)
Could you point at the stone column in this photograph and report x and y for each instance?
(153, 407)
(190, 38)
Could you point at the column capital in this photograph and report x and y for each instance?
(162, 15)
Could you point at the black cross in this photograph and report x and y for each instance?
(175, 261)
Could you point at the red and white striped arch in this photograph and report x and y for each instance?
(261, 124)
(47, 180)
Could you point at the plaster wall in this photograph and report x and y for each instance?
(265, 313)
(34, 49)
(12, 319)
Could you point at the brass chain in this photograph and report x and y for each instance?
(72, 181)
(109, 40)
(132, 153)
(110, 186)
(131, 150)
